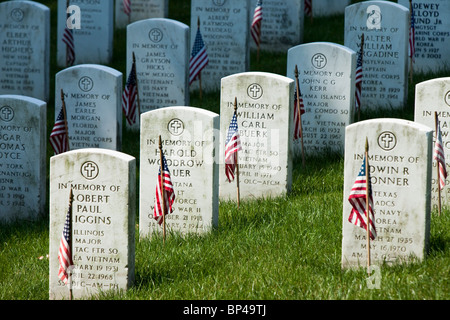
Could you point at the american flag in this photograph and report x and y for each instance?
(412, 41)
(127, 7)
(199, 57)
(129, 96)
(169, 194)
(58, 136)
(297, 118)
(358, 77)
(68, 39)
(256, 23)
(439, 156)
(357, 199)
(232, 146)
(308, 8)
(65, 250)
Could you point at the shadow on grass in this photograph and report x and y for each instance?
(18, 228)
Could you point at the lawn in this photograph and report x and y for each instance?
(284, 248)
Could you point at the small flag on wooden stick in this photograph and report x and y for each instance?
(69, 41)
(127, 8)
(199, 59)
(309, 9)
(439, 156)
(65, 248)
(232, 146)
(59, 137)
(412, 41)
(165, 194)
(130, 96)
(358, 77)
(255, 29)
(299, 109)
(361, 199)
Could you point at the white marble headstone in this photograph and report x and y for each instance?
(434, 96)
(25, 49)
(385, 26)
(264, 116)
(401, 186)
(23, 150)
(103, 220)
(93, 31)
(432, 35)
(161, 47)
(224, 25)
(189, 140)
(140, 10)
(93, 97)
(281, 26)
(324, 8)
(327, 83)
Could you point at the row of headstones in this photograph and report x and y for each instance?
(162, 46)
(25, 36)
(142, 9)
(326, 72)
(193, 142)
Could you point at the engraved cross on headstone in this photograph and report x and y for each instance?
(175, 125)
(319, 59)
(6, 113)
(89, 170)
(155, 35)
(255, 90)
(387, 139)
(86, 82)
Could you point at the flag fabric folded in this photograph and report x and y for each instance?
(297, 118)
(127, 7)
(308, 8)
(440, 157)
(58, 136)
(232, 146)
(412, 41)
(65, 250)
(199, 57)
(357, 198)
(68, 39)
(358, 78)
(169, 194)
(129, 97)
(255, 30)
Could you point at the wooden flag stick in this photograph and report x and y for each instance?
(367, 206)
(257, 53)
(237, 164)
(162, 189)
(65, 119)
(299, 114)
(200, 84)
(70, 245)
(137, 88)
(437, 164)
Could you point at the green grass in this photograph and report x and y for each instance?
(286, 248)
